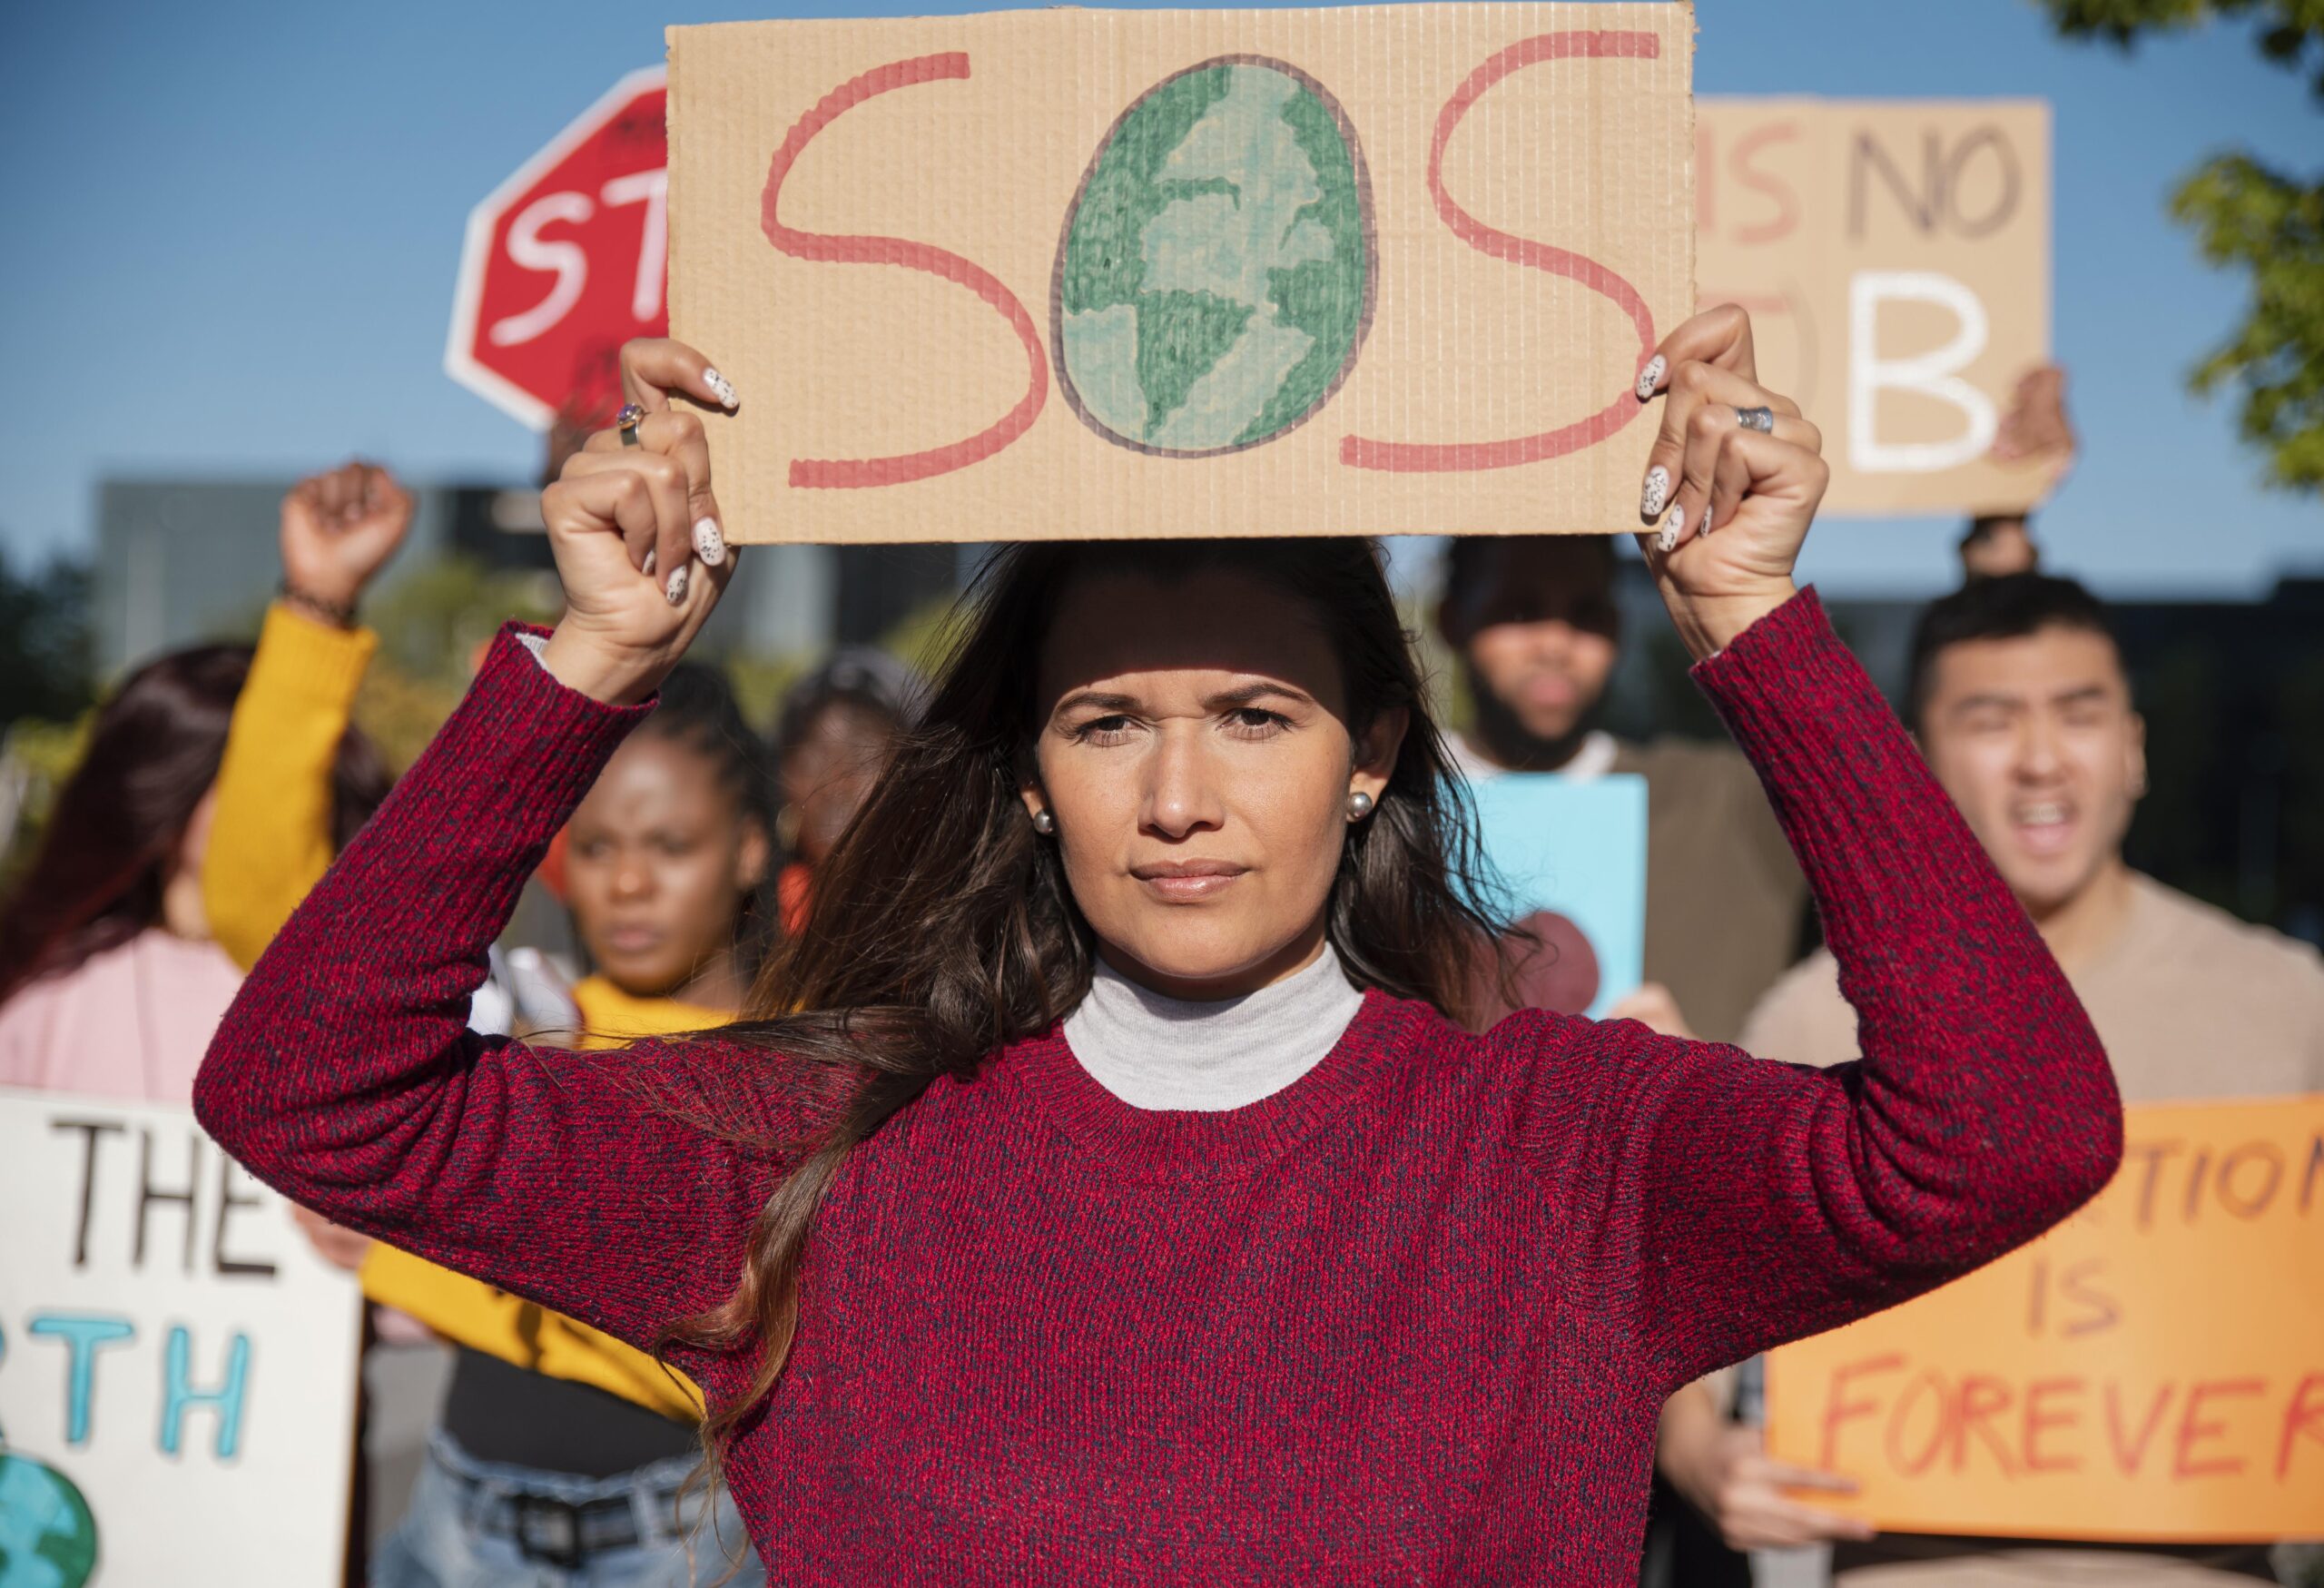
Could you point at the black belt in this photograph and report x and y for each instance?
(558, 1533)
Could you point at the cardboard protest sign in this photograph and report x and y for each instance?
(1066, 272)
(1894, 255)
(177, 1367)
(2151, 1369)
(1572, 853)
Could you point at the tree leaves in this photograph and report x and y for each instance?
(2268, 223)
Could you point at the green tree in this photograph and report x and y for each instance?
(46, 669)
(2246, 214)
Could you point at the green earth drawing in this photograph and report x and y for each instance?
(1215, 277)
(48, 1538)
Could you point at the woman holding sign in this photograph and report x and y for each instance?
(1103, 1187)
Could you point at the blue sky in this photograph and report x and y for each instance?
(232, 231)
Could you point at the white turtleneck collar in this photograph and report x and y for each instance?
(1157, 1053)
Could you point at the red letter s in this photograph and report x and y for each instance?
(1420, 456)
(810, 473)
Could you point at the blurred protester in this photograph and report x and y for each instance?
(833, 734)
(1534, 621)
(2023, 710)
(2035, 428)
(558, 1446)
(110, 980)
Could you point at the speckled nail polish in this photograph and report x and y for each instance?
(717, 382)
(1650, 377)
(1669, 539)
(1656, 493)
(676, 590)
(708, 544)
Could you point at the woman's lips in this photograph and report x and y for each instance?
(1183, 882)
(633, 940)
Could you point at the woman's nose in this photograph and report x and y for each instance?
(1182, 793)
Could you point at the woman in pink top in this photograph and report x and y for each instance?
(109, 982)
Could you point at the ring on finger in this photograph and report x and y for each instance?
(1762, 419)
(626, 421)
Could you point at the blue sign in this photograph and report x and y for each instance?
(1572, 855)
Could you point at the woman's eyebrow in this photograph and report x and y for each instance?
(1095, 700)
(1262, 689)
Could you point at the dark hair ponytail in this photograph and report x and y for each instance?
(942, 928)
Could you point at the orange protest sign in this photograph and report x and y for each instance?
(1294, 271)
(2151, 1369)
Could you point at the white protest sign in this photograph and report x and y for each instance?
(177, 1367)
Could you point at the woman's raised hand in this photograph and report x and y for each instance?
(1731, 504)
(340, 528)
(638, 539)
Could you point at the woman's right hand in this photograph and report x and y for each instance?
(1750, 1496)
(639, 540)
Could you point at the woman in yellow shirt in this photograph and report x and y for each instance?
(560, 1452)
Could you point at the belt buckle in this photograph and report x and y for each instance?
(548, 1531)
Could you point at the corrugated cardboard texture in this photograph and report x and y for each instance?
(1065, 273)
(1865, 235)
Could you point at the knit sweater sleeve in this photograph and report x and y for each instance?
(1730, 1203)
(345, 1077)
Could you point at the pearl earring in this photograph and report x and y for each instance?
(1359, 806)
(1044, 823)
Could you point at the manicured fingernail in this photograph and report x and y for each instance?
(649, 564)
(717, 382)
(1656, 492)
(708, 544)
(1669, 539)
(676, 589)
(1650, 377)
(1704, 527)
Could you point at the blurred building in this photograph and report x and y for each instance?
(183, 561)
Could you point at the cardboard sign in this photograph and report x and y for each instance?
(177, 1366)
(1071, 272)
(2151, 1369)
(1894, 255)
(1573, 855)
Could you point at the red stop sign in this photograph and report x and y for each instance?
(566, 262)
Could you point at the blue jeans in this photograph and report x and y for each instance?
(483, 1524)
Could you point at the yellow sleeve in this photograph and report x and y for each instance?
(270, 841)
(471, 1313)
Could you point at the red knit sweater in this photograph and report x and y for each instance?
(1409, 1320)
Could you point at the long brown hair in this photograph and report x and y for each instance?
(943, 928)
(153, 752)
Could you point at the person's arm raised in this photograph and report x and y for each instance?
(271, 840)
(344, 1075)
(1741, 1203)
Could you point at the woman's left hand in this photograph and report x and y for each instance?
(1731, 505)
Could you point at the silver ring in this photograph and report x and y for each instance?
(1762, 419)
(627, 420)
